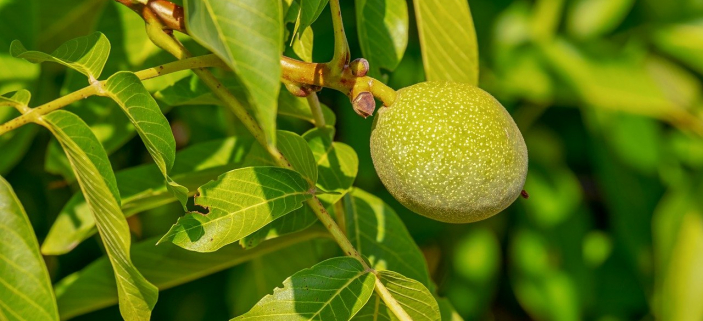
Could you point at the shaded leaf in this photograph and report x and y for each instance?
(191, 91)
(378, 234)
(165, 266)
(25, 287)
(264, 273)
(97, 181)
(383, 32)
(412, 296)
(298, 153)
(447, 40)
(335, 289)
(143, 188)
(337, 163)
(310, 10)
(14, 144)
(86, 55)
(240, 202)
(303, 45)
(127, 90)
(247, 35)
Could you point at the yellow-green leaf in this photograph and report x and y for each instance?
(447, 40)
(413, 297)
(318, 293)
(86, 55)
(248, 36)
(127, 90)
(25, 287)
(97, 181)
(383, 32)
(240, 202)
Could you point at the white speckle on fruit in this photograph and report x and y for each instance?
(449, 151)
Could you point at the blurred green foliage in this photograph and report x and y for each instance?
(607, 94)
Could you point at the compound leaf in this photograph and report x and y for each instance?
(143, 188)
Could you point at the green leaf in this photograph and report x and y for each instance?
(302, 45)
(298, 153)
(19, 99)
(86, 55)
(240, 202)
(593, 18)
(127, 90)
(14, 144)
(97, 181)
(337, 163)
(682, 41)
(310, 10)
(376, 231)
(447, 40)
(292, 106)
(25, 287)
(263, 274)
(247, 35)
(412, 296)
(335, 289)
(191, 91)
(166, 266)
(143, 188)
(383, 32)
(447, 310)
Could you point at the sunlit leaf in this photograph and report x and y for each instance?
(239, 202)
(247, 35)
(383, 32)
(97, 181)
(25, 287)
(337, 165)
(447, 40)
(165, 266)
(86, 55)
(143, 188)
(263, 274)
(335, 289)
(376, 231)
(144, 113)
(413, 297)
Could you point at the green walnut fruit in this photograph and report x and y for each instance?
(449, 151)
